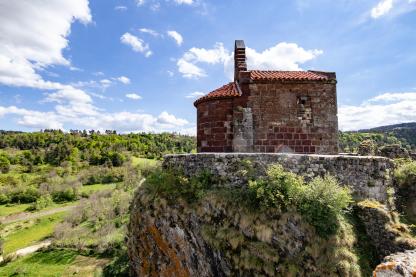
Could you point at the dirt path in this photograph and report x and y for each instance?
(26, 215)
(30, 249)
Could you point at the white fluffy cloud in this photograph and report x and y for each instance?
(176, 36)
(137, 44)
(133, 96)
(120, 121)
(123, 79)
(33, 119)
(170, 120)
(33, 35)
(384, 109)
(140, 2)
(382, 8)
(195, 94)
(187, 64)
(186, 2)
(149, 31)
(392, 8)
(282, 56)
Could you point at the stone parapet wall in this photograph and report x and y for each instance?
(368, 177)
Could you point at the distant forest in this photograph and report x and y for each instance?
(402, 134)
(54, 146)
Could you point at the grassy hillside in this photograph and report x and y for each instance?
(402, 134)
(75, 189)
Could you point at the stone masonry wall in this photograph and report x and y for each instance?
(368, 177)
(298, 117)
(215, 131)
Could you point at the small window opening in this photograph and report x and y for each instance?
(304, 110)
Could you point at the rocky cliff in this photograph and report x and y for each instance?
(200, 223)
(219, 237)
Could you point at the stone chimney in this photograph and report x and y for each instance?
(239, 58)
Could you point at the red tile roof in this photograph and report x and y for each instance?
(227, 91)
(286, 75)
(231, 90)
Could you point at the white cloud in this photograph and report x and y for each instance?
(176, 36)
(149, 31)
(155, 6)
(133, 96)
(195, 94)
(186, 2)
(282, 56)
(120, 121)
(187, 63)
(72, 103)
(33, 36)
(123, 79)
(105, 83)
(392, 8)
(32, 119)
(384, 109)
(382, 8)
(136, 44)
(140, 2)
(69, 94)
(120, 8)
(168, 119)
(189, 70)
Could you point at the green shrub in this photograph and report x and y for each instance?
(4, 198)
(24, 195)
(320, 202)
(41, 203)
(279, 188)
(65, 195)
(405, 175)
(171, 185)
(102, 175)
(119, 266)
(4, 164)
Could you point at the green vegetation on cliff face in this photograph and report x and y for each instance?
(277, 224)
(405, 179)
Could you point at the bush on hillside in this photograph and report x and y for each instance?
(4, 164)
(280, 189)
(102, 175)
(320, 202)
(171, 185)
(42, 202)
(405, 175)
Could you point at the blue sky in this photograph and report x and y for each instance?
(138, 65)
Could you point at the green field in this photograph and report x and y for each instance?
(9, 209)
(143, 162)
(51, 263)
(42, 228)
(93, 188)
(45, 264)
